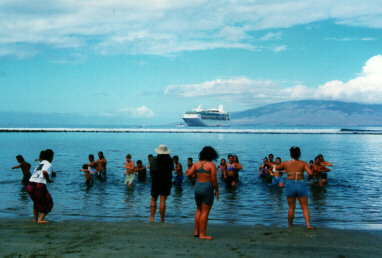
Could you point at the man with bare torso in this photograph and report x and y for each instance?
(101, 165)
(25, 168)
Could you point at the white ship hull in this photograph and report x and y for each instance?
(196, 120)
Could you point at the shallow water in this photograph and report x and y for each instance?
(351, 199)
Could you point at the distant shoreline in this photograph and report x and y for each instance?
(164, 239)
(191, 130)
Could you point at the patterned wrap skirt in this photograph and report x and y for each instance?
(42, 201)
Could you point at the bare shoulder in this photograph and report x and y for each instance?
(211, 164)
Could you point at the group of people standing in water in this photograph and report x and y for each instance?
(202, 174)
(318, 167)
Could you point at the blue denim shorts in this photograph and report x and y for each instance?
(276, 180)
(296, 188)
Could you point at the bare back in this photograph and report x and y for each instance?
(205, 171)
(294, 169)
(25, 167)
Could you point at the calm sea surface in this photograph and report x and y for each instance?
(351, 199)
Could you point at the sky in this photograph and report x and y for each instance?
(149, 61)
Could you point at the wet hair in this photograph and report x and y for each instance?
(295, 152)
(91, 156)
(230, 155)
(278, 158)
(42, 155)
(265, 158)
(139, 162)
(321, 157)
(20, 157)
(175, 157)
(208, 153)
(225, 162)
(128, 156)
(311, 161)
(85, 166)
(150, 156)
(271, 155)
(49, 154)
(189, 159)
(318, 157)
(236, 158)
(101, 154)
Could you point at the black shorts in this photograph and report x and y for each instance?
(25, 179)
(157, 190)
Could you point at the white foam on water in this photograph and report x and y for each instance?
(178, 130)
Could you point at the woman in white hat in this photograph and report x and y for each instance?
(161, 168)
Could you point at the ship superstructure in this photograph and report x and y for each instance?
(207, 117)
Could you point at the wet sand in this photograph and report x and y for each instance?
(73, 238)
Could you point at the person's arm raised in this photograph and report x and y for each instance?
(280, 167)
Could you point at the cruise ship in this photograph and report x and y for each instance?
(208, 117)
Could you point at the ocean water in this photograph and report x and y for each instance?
(351, 199)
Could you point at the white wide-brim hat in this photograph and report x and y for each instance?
(162, 149)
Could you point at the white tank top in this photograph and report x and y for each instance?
(92, 170)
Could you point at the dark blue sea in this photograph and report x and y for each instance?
(352, 197)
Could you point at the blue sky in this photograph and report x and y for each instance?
(150, 61)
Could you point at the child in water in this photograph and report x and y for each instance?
(149, 160)
(178, 171)
(222, 168)
(130, 172)
(189, 165)
(88, 176)
(141, 170)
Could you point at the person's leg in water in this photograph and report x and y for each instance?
(35, 214)
(162, 207)
(153, 207)
(304, 206)
(292, 207)
(41, 219)
(198, 213)
(203, 222)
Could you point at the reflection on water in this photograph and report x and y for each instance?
(351, 199)
(23, 195)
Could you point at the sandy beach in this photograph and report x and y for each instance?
(73, 238)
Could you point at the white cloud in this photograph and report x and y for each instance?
(365, 88)
(164, 27)
(351, 39)
(280, 48)
(271, 36)
(139, 112)
(239, 90)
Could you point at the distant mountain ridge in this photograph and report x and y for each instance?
(311, 113)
